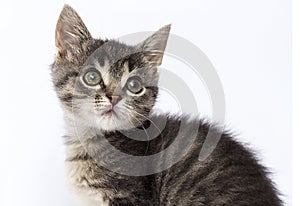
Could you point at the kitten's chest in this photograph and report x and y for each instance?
(81, 179)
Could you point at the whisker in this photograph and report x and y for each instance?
(148, 138)
(147, 119)
(132, 110)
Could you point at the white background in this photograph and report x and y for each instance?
(249, 43)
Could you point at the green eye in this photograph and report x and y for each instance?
(134, 85)
(92, 77)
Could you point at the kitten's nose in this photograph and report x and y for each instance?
(114, 99)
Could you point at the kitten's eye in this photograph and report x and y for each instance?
(92, 77)
(134, 85)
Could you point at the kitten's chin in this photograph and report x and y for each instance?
(111, 121)
(107, 120)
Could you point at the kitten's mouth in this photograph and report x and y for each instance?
(109, 113)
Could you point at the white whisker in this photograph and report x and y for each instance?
(148, 138)
(132, 110)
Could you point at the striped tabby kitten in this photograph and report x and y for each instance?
(107, 90)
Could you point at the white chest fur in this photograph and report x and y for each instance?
(78, 173)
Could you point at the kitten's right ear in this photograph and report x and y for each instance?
(70, 34)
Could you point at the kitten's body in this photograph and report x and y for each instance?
(229, 176)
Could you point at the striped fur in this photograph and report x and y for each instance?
(231, 175)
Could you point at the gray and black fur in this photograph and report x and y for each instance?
(231, 175)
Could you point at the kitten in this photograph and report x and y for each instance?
(107, 90)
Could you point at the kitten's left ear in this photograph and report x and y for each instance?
(154, 46)
(71, 34)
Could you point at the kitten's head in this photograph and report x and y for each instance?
(104, 83)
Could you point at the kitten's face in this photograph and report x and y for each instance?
(105, 84)
(113, 94)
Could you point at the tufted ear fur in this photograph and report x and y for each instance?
(71, 34)
(154, 46)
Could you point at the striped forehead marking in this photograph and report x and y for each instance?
(104, 70)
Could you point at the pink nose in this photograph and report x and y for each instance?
(115, 99)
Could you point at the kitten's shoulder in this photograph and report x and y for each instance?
(207, 132)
